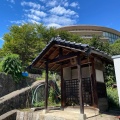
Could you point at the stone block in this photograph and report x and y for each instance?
(82, 117)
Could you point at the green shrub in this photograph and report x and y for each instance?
(39, 104)
(1, 69)
(12, 65)
(113, 98)
(51, 97)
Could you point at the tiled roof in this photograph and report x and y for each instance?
(73, 45)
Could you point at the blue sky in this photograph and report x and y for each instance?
(59, 13)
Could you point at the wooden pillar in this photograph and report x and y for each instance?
(62, 90)
(80, 85)
(62, 82)
(46, 86)
(94, 83)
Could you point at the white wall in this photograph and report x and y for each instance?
(74, 74)
(99, 76)
(117, 72)
(86, 72)
(69, 74)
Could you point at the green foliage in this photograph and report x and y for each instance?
(1, 63)
(39, 104)
(12, 65)
(113, 98)
(51, 76)
(109, 75)
(69, 36)
(98, 44)
(25, 41)
(29, 39)
(42, 76)
(115, 48)
(52, 101)
(51, 98)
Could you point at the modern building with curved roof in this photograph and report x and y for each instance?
(88, 31)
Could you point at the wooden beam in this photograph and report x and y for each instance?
(80, 85)
(54, 53)
(41, 64)
(46, 87)
(64, 57)
(70, 48)
(60, 52)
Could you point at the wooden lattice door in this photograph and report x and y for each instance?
(87, 93)
(72, 91)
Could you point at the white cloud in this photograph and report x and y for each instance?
(42, 0)
(31, 4)
(52, 3)
(11, 6)
(55, 13)
(12, 1)
(61, 11)
(53, 25)
(33, 17)
(18, 21)
(38, 13)
(66, 4)
(33, 21)
(1, 38)
(60, 20)
(74, 4)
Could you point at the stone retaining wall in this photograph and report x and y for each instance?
(11, 115)
(7, 84)
(18, 99)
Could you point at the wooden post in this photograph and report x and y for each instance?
(46, 86)
(95, 97)
(80, 85)
(62, 90)
(62, 82)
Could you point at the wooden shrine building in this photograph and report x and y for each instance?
(81, 69)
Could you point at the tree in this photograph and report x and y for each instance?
(98, 44)
(115, 48)
(29, 39)
(70, 37)
(23, 40)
